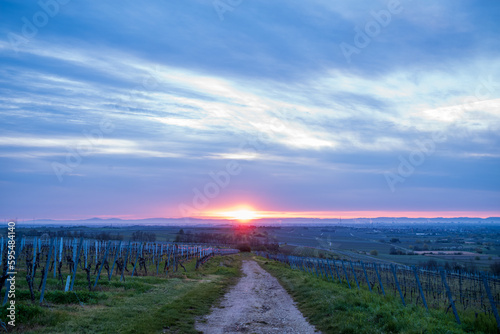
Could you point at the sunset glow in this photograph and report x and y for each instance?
(241, 215)
(248, 214)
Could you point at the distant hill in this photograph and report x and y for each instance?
(380, 221)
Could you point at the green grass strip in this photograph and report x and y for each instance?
(334, 308)
(142, 304)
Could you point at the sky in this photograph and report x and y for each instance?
(278, 108)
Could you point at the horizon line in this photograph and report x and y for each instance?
(250, 221)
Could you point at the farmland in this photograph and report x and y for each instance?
(169, 265)
(466, 246)
(461, 245)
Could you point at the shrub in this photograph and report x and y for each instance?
(244, 247)
(431, 264)
(260, 248)
(374, 252)
(495, 268)
(395, 251)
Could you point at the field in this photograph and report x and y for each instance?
(473, 247)
(465, 247)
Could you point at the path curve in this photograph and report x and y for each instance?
(256, 304)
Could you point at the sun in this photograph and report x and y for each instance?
(242, 215)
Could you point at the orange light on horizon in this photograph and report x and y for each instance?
(241, 213)
(247, 213)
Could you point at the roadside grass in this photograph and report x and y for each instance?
(334, 308)
(309, 251)
(141, 304)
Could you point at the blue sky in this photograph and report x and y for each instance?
(124, 108)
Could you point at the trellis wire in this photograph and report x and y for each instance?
(53, 252)
(433, 288)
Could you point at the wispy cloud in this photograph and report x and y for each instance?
(273, 93)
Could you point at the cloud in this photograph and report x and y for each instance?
(267, 87)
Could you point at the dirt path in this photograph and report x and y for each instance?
(257, 304)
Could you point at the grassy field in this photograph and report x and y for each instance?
(142, 304)
(334, 308)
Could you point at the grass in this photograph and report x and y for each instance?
(159, 304)
(309, 252)
(334, 308)
(142, 304)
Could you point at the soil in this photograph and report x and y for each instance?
(256, 304)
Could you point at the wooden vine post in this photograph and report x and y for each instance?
(75, 266)
(420, 288)
(397, 284)
(450, 297)
(46, 271)
(490, 297)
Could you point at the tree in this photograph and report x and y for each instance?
(143, 236)
(431, 264)
(244, 247)
(180, 237)
(495, 268)
(374, 252)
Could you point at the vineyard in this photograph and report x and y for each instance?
(72, 264)
(65, 271)
(448, 290)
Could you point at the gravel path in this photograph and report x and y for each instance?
(257, 304)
